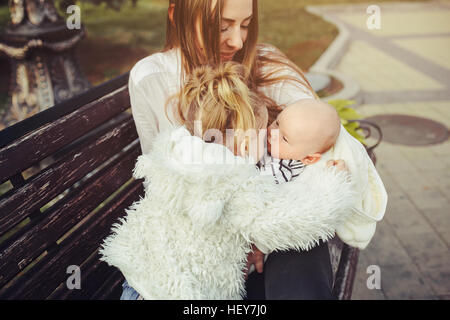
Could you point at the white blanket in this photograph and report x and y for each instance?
(371, 201)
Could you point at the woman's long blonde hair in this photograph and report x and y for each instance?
(181, 33)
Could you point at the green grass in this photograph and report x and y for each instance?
(4, 16)
(118, 39)
(140, 26)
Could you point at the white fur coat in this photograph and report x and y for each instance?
(188, 238)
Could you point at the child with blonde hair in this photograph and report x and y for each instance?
(206, 204)
(220, 102)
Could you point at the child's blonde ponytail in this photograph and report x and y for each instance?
(219, 98)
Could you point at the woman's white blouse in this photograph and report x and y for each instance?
(154, 79)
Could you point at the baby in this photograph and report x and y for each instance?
(299, 136)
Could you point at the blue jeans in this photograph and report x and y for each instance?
(128, 292)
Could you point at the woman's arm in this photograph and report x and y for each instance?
(153, 80)
(143, 115)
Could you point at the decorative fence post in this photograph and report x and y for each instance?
(40, 48)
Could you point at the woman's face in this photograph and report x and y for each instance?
(236, 17)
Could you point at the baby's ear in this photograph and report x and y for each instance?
(312, 158)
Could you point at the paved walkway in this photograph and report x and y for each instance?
(404, 68)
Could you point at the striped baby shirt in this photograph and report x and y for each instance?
(282, 170)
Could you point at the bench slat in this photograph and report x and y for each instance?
(345, 275)
(110, 288)
(94, 273)
(67, 214)
(40, 143)
(16, 205)
(74, 250)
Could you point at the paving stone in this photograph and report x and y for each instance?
(390, 184)
(429, 198)
(445, 160)
(368, 112)
(428, 162)
(440, 220)
(360, 288)
(403, 216)
(405, 282)
(389, 157)
(399, 23)
(390, 73)
(385, 248)
(425, 158)
(412, 181)
(434, 110)
(438, 273)
(439, 177)
(425, 248)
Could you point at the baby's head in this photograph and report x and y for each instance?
(306, 129)
(216, 99)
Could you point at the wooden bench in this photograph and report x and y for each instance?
(66, 177)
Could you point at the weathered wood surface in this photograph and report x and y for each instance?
(111, 288)
(39, 190)
(65, 215)
(345, 273)
(43, 142)
(93, 276)
(75, 249)
(92, 148)
(40, 143)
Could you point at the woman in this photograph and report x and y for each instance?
(209, 32)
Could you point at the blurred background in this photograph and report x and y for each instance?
(120, 32)
(395, 74)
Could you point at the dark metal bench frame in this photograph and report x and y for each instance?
(84, 150)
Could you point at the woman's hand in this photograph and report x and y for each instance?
(255, 257)
(339, 164)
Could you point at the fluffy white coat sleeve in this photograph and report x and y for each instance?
(296, 214)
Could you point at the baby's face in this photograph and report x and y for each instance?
(303, 130)
(285, 143)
